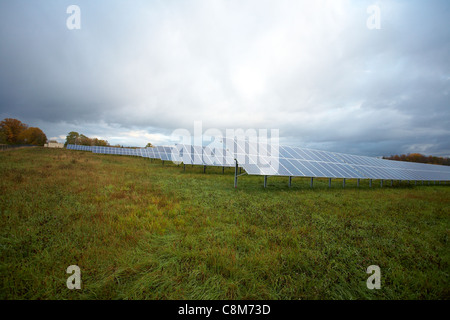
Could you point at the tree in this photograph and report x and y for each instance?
(71, 138)
(100, 143)
(80, 139)
(11, 129)
(2, 137)
(417, 157)
(149, 145)
(32, 135)
(84, 140)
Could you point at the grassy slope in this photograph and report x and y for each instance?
(141, 230)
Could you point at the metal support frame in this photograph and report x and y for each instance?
(184, 167)
(163, 162)
(223, 170)
(204, 169)
(357, 183)
(235, 174)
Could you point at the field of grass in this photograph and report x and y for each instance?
(140, 230)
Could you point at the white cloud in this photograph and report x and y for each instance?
(312, 69)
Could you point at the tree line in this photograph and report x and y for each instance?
(15, 132)
(417, 157)
(80, 139)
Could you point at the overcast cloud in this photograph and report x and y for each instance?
(137, 70)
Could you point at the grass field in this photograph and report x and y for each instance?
(140, 230)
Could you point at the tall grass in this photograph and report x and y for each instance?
(140, 230)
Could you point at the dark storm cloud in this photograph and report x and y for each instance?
(137, 70)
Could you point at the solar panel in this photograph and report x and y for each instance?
(259, 158)
(202, 155)
(276, 160)
(119, 151)
(78, 147)
(164, 153)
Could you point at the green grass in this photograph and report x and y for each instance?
(140, 230)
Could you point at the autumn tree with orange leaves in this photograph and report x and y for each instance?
(34, 136)
(417, 157)
(13, 131)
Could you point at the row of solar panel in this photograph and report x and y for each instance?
(273, 160)
(198, 155)
(296, 153)
(194, 155)
(294, 161)
(142, 152)
(289, 161)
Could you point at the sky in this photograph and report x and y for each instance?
(330, 75)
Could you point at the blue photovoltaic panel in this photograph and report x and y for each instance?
(202, 155)
(269, 159)
(164, 153)
(295, 161)
(78, 147)
(151, 153)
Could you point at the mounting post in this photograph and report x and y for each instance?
(357, 183)
(370, 183)
(312, 182)
(392, 183)
(343, 183)
(329, 182)
(265, 181)
(235, 174)
(290, 182)
(204, 169)
(223, 170)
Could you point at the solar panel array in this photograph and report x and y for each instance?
(276, 160)
(79, 147)
(206, 156)
(163, 153)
